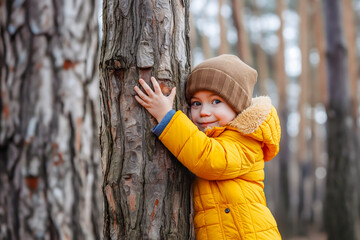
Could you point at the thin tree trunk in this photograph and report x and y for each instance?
(50, 157)
(350, 33)
(146, 191)
(303, 80)
(318, 95)
(341, 205)
(303, 150)
(207, 51)
(261, 56)
(283, 205)
(349, 27)
(321, 47)
(315, 196)
(242, 45)
(224, 46)
(263, 69)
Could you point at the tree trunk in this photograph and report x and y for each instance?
(303, 79)
(284, 154)
(261, 57)
(318, 27)
(224, 45)
(207, 51)
(243, 47)
(146, 190)
(303, 150)
(318, 95)
(49, 167)
(349, 27)
(350, 33)
(315, 197)
(340, 206)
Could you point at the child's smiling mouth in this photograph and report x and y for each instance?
(206, 124)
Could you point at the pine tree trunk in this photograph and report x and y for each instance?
(50, 157)
(303, 80)
(224, 45)
(318, 95)
(320, 43)
(340, 206)
(261, 56)
(146, 190)
(303, 150)
(207, 51)
(349, 27)
(283, 205)
(243, 47)
(315, 198)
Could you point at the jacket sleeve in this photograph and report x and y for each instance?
(208, 158)
(158, 129)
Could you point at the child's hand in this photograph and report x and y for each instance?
(156, 103)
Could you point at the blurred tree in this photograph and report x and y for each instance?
(303, 80)
(303, 151)
(207, 51)
(318, 28)
(318, 93)
(146, 191)
(350, 33)
(283, 205)
(50, 157)
(224, 45)
(243, 47)
(341, 215)
(261, 56)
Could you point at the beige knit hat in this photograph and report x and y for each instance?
(227, 76)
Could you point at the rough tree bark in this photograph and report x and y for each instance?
(146, 191)
(49, 151)
(340, 204)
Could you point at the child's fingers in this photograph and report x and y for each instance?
(156, 85)
(142, 103)
(142, 95)
(172, 94)
(146, 87)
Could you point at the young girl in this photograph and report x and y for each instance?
(225, 145)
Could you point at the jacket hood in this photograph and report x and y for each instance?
(260, 122)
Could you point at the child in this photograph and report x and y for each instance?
(225, 145)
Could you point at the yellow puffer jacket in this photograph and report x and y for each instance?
(228, 196)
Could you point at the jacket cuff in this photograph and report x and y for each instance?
(158, 129)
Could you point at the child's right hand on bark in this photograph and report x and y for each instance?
(156, 103)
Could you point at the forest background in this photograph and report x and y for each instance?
(51, 179)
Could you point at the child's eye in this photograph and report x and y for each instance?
(195, 104)
(216, 101)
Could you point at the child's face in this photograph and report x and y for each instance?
(210, 110)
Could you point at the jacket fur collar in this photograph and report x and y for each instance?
(252, 117)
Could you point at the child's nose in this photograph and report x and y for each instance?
(205, 111)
